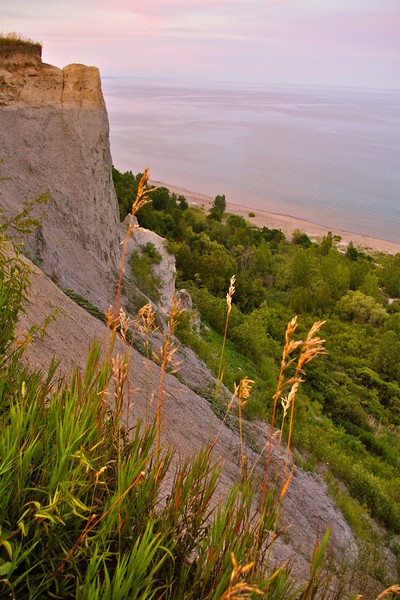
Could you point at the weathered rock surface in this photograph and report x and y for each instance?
(26, 81)
(165, 270)
(54, 140)
(186, 303)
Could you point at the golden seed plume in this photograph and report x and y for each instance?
(230, 293)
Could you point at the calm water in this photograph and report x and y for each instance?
(331, 156)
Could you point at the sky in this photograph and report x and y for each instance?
(352, 43)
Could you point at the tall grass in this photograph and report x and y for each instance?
(92, 509)
(16, 39)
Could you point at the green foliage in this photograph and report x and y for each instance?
(15, 39)
(334, 274)
(387, 356)
(360, 308)
(370, 287)
(356, 515)
(390, 275)
(218, 208)
(300, 238)
(141, 264)
(24, 223)
(352, 252)
(14, 278)
(301, 269)
(366, 488)
(355, 390)
(152, 253)
(88, 306)
(326, 244)
(126, 185)
(84, 511)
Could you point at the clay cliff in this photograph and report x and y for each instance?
(55, 141)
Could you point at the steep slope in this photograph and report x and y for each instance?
(308, 510)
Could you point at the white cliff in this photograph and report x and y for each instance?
(55, 140)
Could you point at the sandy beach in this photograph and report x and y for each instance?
(287, 223)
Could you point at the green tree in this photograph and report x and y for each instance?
(300, 238)
(387, 355)
(335, 273)
(358, 272)
(250, 293)
(215, 270)
(326, 244)
(126, 185)
(185, 264)
(390, 275)
(370, 287)
(301, 268)
(218, 208)
(182, 203)
(356, 306)
(162, 200)
(352, 252)
(261, 264)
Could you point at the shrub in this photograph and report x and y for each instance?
(141, 268)
(367, 489)
(300, 238)
(360, 308)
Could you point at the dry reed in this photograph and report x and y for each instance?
(239, 589)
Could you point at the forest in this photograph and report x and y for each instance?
(348, 411)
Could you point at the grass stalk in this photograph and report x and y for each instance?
(165, 358)
(141, 199)
(220, 376)
(95, 521)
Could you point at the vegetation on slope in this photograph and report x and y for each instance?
(14, 39)
(92, 509)
(349, 408)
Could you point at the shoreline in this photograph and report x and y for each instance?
(287, 223)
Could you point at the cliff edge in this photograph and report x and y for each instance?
(55, 140)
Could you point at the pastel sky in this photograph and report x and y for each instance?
(333, 42)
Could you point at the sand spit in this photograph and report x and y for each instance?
(287, 223)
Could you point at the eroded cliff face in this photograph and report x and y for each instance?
(55, 140)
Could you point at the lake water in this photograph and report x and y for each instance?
(328, 155)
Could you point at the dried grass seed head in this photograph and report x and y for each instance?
(147, 318)
(230, 293)
(245, 388)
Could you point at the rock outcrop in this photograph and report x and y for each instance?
(55, 140)
(164, 271)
